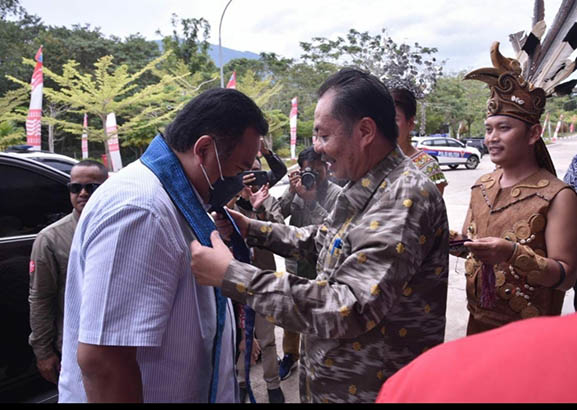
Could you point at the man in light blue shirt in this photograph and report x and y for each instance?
(137, 326)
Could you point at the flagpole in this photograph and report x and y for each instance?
(220, 45)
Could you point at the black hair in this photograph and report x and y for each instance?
(223, 113)
(308, 155)
(360, 94)
(92, 163)
(406, 101)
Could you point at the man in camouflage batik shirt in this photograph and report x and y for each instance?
(379, 297)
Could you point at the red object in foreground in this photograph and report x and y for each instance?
(529, 361)
(104, 159)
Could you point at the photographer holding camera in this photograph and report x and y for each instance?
(307, 201)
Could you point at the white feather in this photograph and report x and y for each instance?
(553, 52)
(555, 62)
(539, 29)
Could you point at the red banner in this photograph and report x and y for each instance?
(34, 118)
(232, 81)
(85, 138)
(293, 126)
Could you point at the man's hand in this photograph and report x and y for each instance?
(294, 180)
(308, 195)
(491, 251)
(257, 199)
(297, 186)
(245, 193)
(248, 179)
(224, 226)
(264, 149)
(49, 368)
(210, 264)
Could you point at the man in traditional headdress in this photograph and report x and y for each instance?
(521, 217)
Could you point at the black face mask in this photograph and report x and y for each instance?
(223, 191)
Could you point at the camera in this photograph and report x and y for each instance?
(308, 178)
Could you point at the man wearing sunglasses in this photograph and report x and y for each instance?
(48, 264)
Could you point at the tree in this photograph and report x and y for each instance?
(10, 135)
(18, 33)
(261, 92)
(456, 104)
(192, 45)
(11, 8)
(12, 100)
(242, 65)
(398, 65)
(109, 89)
(475, 106)
(185, 86)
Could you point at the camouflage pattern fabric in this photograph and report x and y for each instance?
(307, 213)
(379, 298)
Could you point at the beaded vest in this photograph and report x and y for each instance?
(519, 214)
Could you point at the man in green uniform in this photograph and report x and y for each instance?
(48, 264)
(306, 204)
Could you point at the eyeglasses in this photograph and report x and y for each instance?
(77, 188)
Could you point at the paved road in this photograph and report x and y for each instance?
(457, 200)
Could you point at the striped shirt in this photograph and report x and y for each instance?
(130, 284)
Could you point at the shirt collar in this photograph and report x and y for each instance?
(358, 193)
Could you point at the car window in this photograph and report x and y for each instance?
(454, 144)
(428, 143)
(29, 201)
(440, 142)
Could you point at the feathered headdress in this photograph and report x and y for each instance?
(519, 87)
(546, 62)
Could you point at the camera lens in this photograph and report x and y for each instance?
(308, 179)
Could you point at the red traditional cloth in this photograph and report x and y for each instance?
(528, 361)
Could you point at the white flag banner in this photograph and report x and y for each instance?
(113, 146)
(556, 135)
(544, 125)
(293, 126)
(85, 138)
(34, 118)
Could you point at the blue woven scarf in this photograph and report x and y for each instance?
(160, 159)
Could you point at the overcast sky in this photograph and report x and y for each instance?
(462, 30)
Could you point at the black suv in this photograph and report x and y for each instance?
(478, 143)
(58, 161)
(32, 196)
